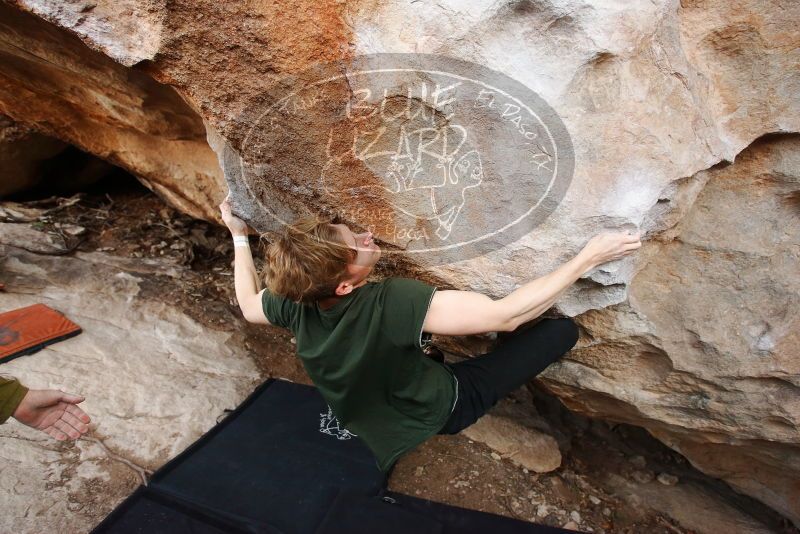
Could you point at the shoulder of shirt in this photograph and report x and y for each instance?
(409, 283)
(399, 279)
(386, 281)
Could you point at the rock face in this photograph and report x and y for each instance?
(671, 110)
(53, 82)
(22, 153)
(32, 161)
(704, 352)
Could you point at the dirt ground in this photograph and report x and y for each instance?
(611, 476)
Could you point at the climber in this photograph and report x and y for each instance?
(53, 412)
(363, 342)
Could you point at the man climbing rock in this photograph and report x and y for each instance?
(362, 343)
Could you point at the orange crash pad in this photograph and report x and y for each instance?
(29, 329)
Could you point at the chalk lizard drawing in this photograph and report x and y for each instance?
(427, 171)
(328, 424)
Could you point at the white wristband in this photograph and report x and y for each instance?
(241, 241)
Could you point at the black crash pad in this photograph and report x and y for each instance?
(280, 463)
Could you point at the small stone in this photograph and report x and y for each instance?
(594, 500)
(561, 490)
(575, 516)
(541, 510)
(73, 229)
(571, 525)
(419, 471)
(293, 341)
(524, 470)
(495, 456)
(551, 520)
(522, 445)
(607, 512)
(667, 479)
(639, 461)
(643, 477)
(74, 506)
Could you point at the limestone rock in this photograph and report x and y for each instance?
(26, 237)
(704, 355)
(154, 381)
(670, 107)
(524, 446)
(693, 506)
(52, 82)
(129, 31)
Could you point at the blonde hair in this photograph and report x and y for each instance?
(308, 261)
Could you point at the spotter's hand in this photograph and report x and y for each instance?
(53, 412)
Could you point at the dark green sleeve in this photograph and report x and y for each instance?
(408, 301)
(11, 394)
(278, 310)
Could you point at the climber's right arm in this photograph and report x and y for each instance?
(461, 313)
(529, 301)
(464, 312)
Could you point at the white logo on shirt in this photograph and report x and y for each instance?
(328, 424)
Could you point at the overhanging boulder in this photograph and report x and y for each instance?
(667, 106)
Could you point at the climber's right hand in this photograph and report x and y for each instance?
(234, 223)
(609, 246)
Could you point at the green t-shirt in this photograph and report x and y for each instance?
(11, 394)
(365, 356)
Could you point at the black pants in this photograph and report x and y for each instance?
(485, 379)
